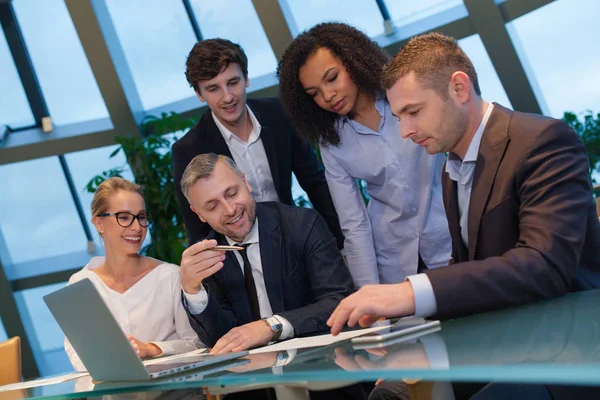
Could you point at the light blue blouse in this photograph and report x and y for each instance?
(405, 215)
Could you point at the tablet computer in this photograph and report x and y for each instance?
(403, 326)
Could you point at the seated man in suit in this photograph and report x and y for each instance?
(516, 188)
(254, 132)
(287, 280)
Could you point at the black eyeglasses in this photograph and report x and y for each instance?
(125, 219)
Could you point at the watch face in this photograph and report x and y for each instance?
(275, 324)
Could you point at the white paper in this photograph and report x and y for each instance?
(160, 360)
(316, 341)
(42, 382)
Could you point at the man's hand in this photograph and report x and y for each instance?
(198, 263)
(143, 349)
(243, 337)
(372, 302)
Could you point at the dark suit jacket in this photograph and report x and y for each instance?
(532, 219)
(305, 275)
(286, 153)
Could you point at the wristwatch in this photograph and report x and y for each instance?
(276, 326)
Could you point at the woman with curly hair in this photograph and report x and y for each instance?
(330, 89)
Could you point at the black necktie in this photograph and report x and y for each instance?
(249, 280)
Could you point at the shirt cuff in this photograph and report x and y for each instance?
(196, 303)
(425, 304)
(287, 330)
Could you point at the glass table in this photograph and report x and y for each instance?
(553, 341)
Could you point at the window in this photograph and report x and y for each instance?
(156, 37)
(236, 20)
(62, 69)
(361, 14)
(489, 83)
(562, 58)
(37, 214)
(3, 335)
(14, 107)
(407, 12)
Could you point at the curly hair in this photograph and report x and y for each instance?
(362, 57)
(208, 58)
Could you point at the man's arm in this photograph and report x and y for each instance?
(210, 316)
(554, 195)
(328, 276)
(311, 177)
(217, 317)
(196, 229)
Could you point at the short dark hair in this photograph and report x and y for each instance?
(433, 57)
(208, 58)
(362, 57)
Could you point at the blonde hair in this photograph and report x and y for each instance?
(108, 188)
(202, 166)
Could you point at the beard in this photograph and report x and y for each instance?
(240, 233)
(453, 123)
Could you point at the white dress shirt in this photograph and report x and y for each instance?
(150, 310)
(197, 302)
(251, 159)
(460, 171)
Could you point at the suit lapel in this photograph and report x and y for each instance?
(267, 135)
(493, 145)
(451, 202)
(213, 141)
(270, 242)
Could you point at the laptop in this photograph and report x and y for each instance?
(101, 343)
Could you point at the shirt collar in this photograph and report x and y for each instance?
(380, 104)
(454, 165)
(228, 135)
(251, 237)
(473, 149)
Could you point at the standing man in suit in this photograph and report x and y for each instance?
(254, 132)
(285, 283)
(516, 189)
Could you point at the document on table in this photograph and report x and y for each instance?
(316, 341)
(42, 382)
(178, 357)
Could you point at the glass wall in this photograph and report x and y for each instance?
(236, 20)
(63, 72)
(38, 218)
(364, 15)
(156, 37)
(14, 107)
(558, 46)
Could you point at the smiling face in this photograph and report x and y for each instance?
(325, 78)
(225, 95)
(427, 118)
(117, 239)
(224, 201)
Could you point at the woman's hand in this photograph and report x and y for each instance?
(143, 349)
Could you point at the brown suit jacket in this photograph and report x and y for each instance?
(532, 219)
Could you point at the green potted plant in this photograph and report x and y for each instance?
(150, 159)
(588, 129)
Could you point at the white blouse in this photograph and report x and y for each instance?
(150, 310)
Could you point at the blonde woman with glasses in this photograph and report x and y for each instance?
(142, 293)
